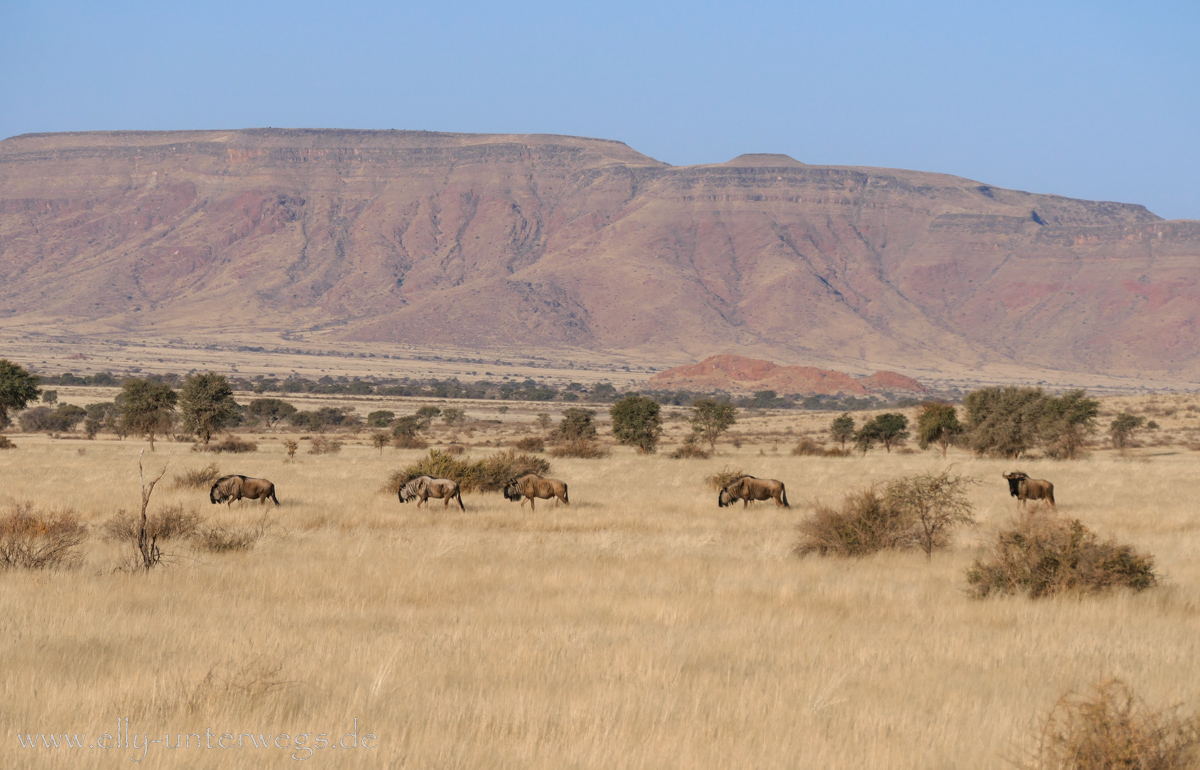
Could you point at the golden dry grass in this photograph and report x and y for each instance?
(640, 627)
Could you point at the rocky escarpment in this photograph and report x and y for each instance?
(565, 244)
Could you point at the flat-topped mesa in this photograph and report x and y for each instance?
(737, 374)
(768, 159)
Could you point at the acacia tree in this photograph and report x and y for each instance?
(147, 408)
(1121, 429)
(270, 410)
(17, 388)
(1067, 420)
(1004, 422)
(711, 418)
(888, 429)
(206, 401)
(576, 424)
(841, 429)
(636, 422)
(935, 504)
(937, 423)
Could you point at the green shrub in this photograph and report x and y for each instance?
(531, 444)
(231, 444)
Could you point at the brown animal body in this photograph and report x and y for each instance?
(424, 487)
(230, 489)
(1024, 488)
(748, 489)
(532, 486)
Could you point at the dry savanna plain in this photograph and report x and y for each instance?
(641, 626)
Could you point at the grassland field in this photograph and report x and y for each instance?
(640, 627)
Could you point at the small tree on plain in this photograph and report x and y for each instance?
(454, 416)
(841, 429)
(207, 404)
(937, 423)
(636, 422)
(888, 429)
(710, 419)
(576, 424)
(1121, 430)
(270, 410)
(49, 396)
(1067, 421)
(380, 418)
(380, 440)
(17, 388)
(938, 504)
(1004, 422)
(543, 420)
(147, 408)
(427, 414)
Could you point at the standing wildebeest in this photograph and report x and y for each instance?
(748, 489)
(424, 487)
(1024, 488)
(532, 485)
(230, 489)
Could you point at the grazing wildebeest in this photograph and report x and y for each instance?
(1024, 488)
(424, 487)
(748, 489)
(532, 485)
(230, 489)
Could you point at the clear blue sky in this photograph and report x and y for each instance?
(1090, 99)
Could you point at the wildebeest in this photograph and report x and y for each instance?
(748, 489)
(1024, 488)
(424, 487)
(229, 489)
(532, 485)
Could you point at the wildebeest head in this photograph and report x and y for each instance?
(511, 491)
(218, 493)
(1014, 481)
(725, 498)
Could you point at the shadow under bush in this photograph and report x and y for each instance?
(35, 539)
(1045, 553)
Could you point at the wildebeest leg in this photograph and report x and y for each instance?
(531, 505)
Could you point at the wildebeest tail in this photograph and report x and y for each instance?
(565, 499)
(783, 496)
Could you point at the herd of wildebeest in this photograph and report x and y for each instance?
(531, 487)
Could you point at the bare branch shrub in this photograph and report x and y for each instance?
(197, 478)
(690, 449)
(231, 444)
(722, 478)
(486, 475)
(863, 525)
(324, 446)
(456, 450)
(35, 539)
(171, 523)
(1114, 728)
(808, 448)
(291, 445)
(935, 504)
(531, 444)
(1045, 553)
(409, 441)
(908, 512)
(580, 448)
(221, 539)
